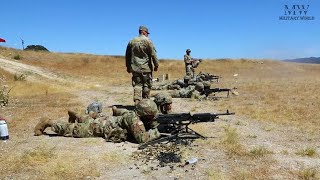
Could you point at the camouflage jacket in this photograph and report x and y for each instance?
(188, 92)
(187, 59)
(130, 121)
(140, 55)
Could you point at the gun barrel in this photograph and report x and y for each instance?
(172, 118)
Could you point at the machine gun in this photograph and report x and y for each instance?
(176, 126)
(195, 62)
(207, 77)
(207, 92)
(211, 78)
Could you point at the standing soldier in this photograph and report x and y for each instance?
(190, 63)
(141, 56)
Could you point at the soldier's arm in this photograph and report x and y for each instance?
(128, 57)
(185, 58)
(141, 135)
(197, 95)
(153, 54)
(118, 112)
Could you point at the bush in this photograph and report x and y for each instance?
(21, 77)
(17, 57)
(4, 92)
(36, 48)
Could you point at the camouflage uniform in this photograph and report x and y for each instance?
(160, 99)
(177, 84)
(190, 63)
(112, 128)
(140, 55)
(187, 61)
(204, 77)
(192, 91)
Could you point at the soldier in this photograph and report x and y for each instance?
(190, 63)
(177, 84)
(206, 77)
(112, 128)
(163, 101)
(140, 55)
(192, 91)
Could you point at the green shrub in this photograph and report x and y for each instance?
(36, 48)
(21, 77)
(17, 57)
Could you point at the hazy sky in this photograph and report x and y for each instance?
(211, 29)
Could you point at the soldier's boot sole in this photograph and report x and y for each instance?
(136, 102)
(73, 116)
(42, 125)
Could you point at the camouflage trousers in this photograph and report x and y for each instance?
(112, 128)
(106, 127)
(142, 83)
(189, 70)
(79, 130)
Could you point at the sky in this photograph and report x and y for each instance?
(210, 28)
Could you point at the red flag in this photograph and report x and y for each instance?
(2, 40)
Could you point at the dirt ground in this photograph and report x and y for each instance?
(258, 149)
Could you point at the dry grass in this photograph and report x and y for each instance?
(232, 143)
(259, 152)
(269, 91)
(308, 151)
(67, 170)
(114, 158)
(308, 174)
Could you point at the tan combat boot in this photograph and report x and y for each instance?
(42, 125)
(73, 116)
(114, 110)
(136, 101)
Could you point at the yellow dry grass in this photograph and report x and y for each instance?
(269, 91)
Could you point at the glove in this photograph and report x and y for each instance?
(155, 68)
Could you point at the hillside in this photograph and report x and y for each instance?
(313, 60)
(274, 134)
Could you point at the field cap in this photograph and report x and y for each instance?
(143, 28)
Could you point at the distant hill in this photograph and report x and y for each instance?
(314, 60)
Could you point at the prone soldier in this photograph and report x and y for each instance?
(112, 128)
(163, 101)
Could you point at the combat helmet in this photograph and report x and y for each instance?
(188, 50)
(146, 107)
(163, 98)
(180, 82)
(206, 84)
(186, 79)
(199, 87)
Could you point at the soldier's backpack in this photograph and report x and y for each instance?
(95, 107)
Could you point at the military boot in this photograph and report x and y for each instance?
(73, 116)
(42, 125)
(114, 110)
(136, 101)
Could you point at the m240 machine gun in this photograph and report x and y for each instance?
(176, 126)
